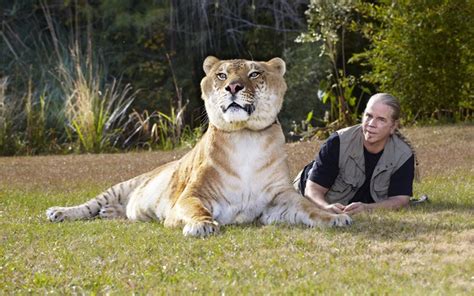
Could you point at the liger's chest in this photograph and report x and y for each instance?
(250, 171)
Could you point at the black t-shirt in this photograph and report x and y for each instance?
(325, 169)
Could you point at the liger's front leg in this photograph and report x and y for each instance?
(196, 217)
(289, 206)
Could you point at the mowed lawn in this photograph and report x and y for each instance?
(422, 250)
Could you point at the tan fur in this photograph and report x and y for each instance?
(237, 173)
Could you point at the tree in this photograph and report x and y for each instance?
(423, 53)
(328, 21)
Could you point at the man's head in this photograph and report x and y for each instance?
(380, 119)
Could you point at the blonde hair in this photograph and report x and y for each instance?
(394, 104)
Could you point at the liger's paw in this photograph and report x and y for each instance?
(341, 220)
(200, 229)
(56, 214)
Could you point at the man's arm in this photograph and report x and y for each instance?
(393, 203)
(316, 192)
(323, 174)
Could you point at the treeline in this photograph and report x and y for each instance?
(108, 75)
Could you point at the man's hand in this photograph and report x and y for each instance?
(393, 203)
(355, 207)
(335, 208)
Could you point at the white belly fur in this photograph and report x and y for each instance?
(151, 199)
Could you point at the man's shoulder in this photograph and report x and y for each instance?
(332, 142)
(350, 134)
(334, 137)
(401, 145)
(349, 130)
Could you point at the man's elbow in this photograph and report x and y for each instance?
(401, 201)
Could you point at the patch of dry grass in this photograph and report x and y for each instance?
(425, 249)
(72, 172)
(444, 150)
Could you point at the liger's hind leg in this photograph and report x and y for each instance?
(110, 204)
(116, 211)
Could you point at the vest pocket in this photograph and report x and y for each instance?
(381, 189)
(340, 191)
(380, 184)
(340, 186)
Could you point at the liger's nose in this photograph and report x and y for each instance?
(234, 88)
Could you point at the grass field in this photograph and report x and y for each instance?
(426, 249)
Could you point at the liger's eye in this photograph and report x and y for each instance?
(254, 75)
(221, 76)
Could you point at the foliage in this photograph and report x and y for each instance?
(133, 35)
(347, 85)
(7, 141)
(23, 123)
(74, 103)
(159, 130)
(44, 42)
(153, 45)
(305, 70)
(422, 52)
(137, 37)
(32, 97)
(94, 112)
(226, 28)
(327, 24)
(36, 136)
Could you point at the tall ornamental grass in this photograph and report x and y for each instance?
(94, 111)
(159, 130)
(3, 111)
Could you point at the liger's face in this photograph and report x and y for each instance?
(377, 123)
(242, 94)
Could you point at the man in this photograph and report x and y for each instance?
(363, 167)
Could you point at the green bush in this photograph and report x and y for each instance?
(306, 68)
(422, 52)
(328, 25)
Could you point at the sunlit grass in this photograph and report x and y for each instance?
(424, 249)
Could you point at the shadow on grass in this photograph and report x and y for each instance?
(440, 206)
(421, 220)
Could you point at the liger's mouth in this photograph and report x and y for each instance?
(249, 108)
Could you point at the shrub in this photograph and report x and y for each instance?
(94, 110)
(421, 51)
(305, 70)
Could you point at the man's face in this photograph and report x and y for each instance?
(377, 123)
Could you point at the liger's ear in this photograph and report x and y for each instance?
(278, 64)
(208, 63)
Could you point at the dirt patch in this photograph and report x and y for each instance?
(441, 150)
(444, 150)
(73, 171)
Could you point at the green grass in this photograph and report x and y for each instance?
(426, 249)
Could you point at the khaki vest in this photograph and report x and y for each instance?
(352, 166)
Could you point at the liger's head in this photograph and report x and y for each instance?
(242, 94)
